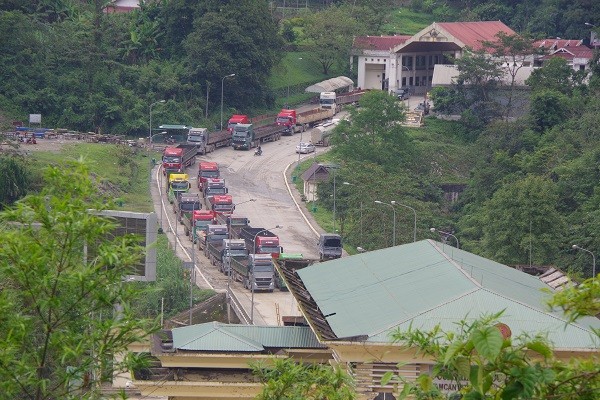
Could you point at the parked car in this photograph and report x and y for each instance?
(305, 148)
(402, 93)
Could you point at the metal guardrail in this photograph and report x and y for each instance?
(237, 307)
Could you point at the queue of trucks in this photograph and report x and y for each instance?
(247, 254)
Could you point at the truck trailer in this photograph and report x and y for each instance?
(207, 142)
(256, 272)
(185, 204)
(214, 233)
(259, 240)
(293, 121)
(246, 136)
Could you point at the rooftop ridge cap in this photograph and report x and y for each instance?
(453, 262)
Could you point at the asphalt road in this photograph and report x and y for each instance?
(267, 179)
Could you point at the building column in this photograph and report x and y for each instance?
(361, 72)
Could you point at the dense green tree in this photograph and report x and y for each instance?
(330, 33)
(286, 379)
(237, 37)
(58, 308)
(373, 132)
(14, 179)
(513, 51)
(555, 75)
(521, 223)
(548, 108)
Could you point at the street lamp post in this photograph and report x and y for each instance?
(576, 247)
(222, 83)
(150, 130)
(253, 283)
(394, 229)
(446, 233)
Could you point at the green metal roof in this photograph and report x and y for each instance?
(428, 282)
(214, 336)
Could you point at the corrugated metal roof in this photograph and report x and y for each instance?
(214, 336)
(521, 320)
(369, 293)
(472, 34)
(330, 85)
(379, 42)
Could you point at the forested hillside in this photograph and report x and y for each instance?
(531, 184)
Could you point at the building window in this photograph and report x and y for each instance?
(404, 81)
(582, 67)
(410, 81)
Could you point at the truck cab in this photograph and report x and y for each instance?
(261, 272)
(237, 119)
(287, 118)
(207, 169)
(232, 249)
(185, 204)
(221, 204)
(330, 246)
(214, 233)
(198, 136)
(200, 219)
(178, 183)
(243, 135)
(327, 100)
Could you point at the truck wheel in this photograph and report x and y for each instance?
(187, 233)
(321, 258)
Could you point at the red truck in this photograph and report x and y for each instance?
(176, 159)
(259, 240)
(221, 204)
(237, 119)
(294, 121)
(207, 169)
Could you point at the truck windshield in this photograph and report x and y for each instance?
(268, 250)
(222, 207)
(240, 134)
(263, 267)
(179, 185)
(327, 101)
(335, 242)
(209, 174)
(231, 126)
(282, 120)
(202, 224)
(190, 206)
(171, 159)
(195, 139)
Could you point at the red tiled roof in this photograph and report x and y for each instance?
(551, 44)
(570, 52)
(473, 33)
(379, 42)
